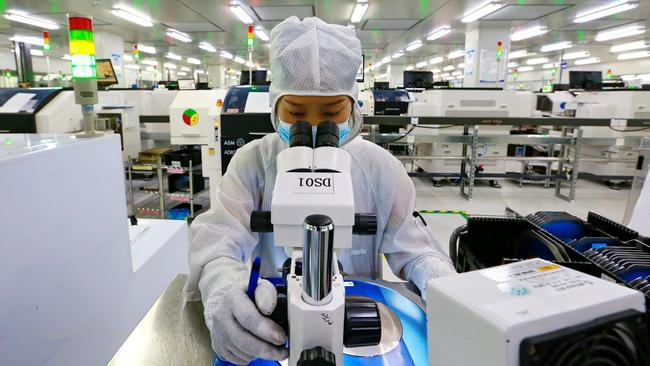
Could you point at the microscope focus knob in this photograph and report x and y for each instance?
(362, 322)
(317, 356)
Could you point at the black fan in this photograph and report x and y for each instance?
(617, 340)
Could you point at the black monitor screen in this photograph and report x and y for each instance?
(588, 80)
(381, 85)
(418, 79)
(259, 78)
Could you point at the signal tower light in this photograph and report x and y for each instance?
(250, 40)
(136, 52)
(499, 49)
(46, 41)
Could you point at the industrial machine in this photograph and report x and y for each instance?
(245, 117)
(312, 216)
(38, 110)
(554, 104)
(534, 312)
(487, 103)
(115, 114)
(391, 102)
(194, 115)
(366, 102)
(544, 311)
(618, 105)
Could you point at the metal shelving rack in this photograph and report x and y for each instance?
(159, 209)
(570, 143)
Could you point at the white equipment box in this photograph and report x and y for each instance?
(192, 116)
(60, 115)
(484, 317)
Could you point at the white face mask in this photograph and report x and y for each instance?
(284, 130)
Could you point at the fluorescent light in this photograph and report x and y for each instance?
(439, 33)
(556, 46)
(35, 52)
(436, 71)
(587, 61)
(181, 73)
(37, 41)
(536, 61)
(199, 72)
(448, 68)
(445, 75)
(168, 65)
(359, 10)
(575, 55)
(183, 37)
(518, 54)
(127, 58)
(207, 47)
(528, 33)
(436, 76)
(397, 55)
(437, 60)
(481, 11)
(413, 46)
(620, 32)
(261, 34)
(456, 73)
(66, 57)
(226, 54)
(409, 68)
(25, 18)
(606, 10)
(421, 64)
(385, 60)
(550, 65)
(150, 68)
(628, 46)
(147, 49)
(461, 65)
(237, 9)
(526, 68)
(132, 67)
(456, 54)
(239, 60)
(173, 56)
(150, 62)
(460, 77)
(193, 61)
(512, 64)
(633, 55)
(185, 68)
(132, 16)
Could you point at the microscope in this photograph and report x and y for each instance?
(312, 215)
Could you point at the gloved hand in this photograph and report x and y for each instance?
(239, 330)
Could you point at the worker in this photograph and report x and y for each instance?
(314, 79)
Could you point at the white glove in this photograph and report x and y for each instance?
(239, 331)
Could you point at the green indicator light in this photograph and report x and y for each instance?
(253, 88)
(251, 42)
(8, 141)
(47, 47)
(81, 35)
(499, 54)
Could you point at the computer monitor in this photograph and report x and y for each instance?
(382, 85)
(259, 77)
(418, 79)
(105, 72)
(186, 84)
(587, 80)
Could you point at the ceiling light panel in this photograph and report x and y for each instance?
(613, 7)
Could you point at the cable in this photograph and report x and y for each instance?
(453, 243)
(436, 127)
(635, 130)
(464, 214)
(401, 137)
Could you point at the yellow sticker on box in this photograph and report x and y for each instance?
(548, 268)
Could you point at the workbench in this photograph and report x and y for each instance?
(173, 332)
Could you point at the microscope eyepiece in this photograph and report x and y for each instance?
(327, 134)
(301, 134)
